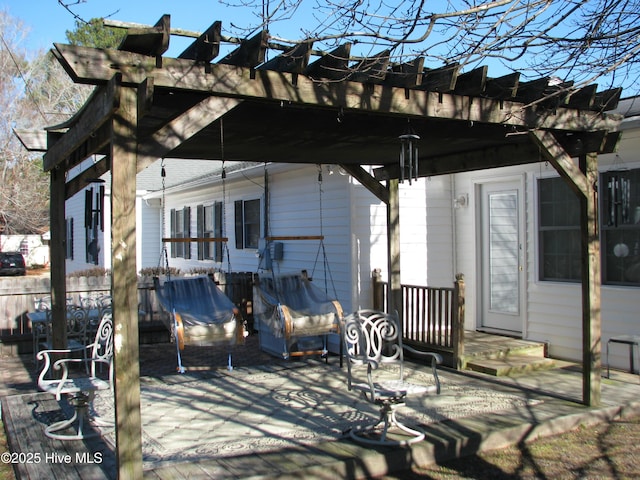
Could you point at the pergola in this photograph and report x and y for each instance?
(304, 106)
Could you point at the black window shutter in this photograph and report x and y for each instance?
(239, 230)
(187, 231)
(172, 222)
(200, 234)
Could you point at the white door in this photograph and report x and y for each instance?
(501, 257)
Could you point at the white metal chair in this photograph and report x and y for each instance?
(373, 339)
(60, 376)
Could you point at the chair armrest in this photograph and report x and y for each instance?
(58, 365)
(436, 359)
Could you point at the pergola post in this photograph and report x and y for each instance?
(591, 311)
(393, 242)
(58, 258)
(582, 179)
(124, 287)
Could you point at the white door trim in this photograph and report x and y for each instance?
(512, 182)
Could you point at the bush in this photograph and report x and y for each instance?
(158, 271)
(203, 271)
(91, 272)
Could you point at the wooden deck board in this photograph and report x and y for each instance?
(52, 459)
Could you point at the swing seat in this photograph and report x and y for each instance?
(208, 317)
(293, 317)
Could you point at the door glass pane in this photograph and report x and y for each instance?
(503, 253)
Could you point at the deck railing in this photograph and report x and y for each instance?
(432, 317)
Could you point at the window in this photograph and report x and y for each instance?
(620, 229)
(210, 226)
(247, 223)
(24, 248)
(181, 228)
(69, 239)
(559, 231)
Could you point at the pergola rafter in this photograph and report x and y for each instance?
(294, 108)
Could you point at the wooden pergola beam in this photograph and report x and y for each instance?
(152, 41)
(294, 60)
(406, 75)
(80, 181)
(87, 65)
(183, 127)
(32, 140)
(333, 65)
(371, 69)
(440, 79)
(501, 156)
(503, 87)
(473, 82)
(552, 151)
(207, 46)
(96, 111)
(368, 181)
(250, 53)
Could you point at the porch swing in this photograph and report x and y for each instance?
(294, 316)
(199, 312)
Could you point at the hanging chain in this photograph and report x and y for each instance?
(321, 247)
(223, 229)
(163, 253)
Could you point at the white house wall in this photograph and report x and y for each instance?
(426, 225)
(368, 218)
(74, 209)
(553, 311)
(351, 219)
(148, 232)
(148, 245)
(298, 208)
(437, 248)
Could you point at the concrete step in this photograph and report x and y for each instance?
(511, 364)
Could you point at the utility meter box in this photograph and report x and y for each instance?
(276, 250)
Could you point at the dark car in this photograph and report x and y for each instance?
(12, 263)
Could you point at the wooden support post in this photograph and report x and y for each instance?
(458, 323)
(582, 180)
(591, 311)
(124, 287)
(58, 258)
(393, 241)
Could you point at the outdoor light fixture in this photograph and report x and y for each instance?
(409, 155)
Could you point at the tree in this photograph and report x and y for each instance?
(93, 33)
(35, 94)
(24, 192)
(582, 41)
(576, 41)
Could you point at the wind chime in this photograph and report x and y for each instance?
(93, 218)
(408, 155)
(93, 213)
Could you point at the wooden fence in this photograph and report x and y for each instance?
(18, 296)
(432, 317)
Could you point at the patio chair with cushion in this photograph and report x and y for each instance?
(69, 372)
(375, 367)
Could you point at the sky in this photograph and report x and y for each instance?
(47, 21)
